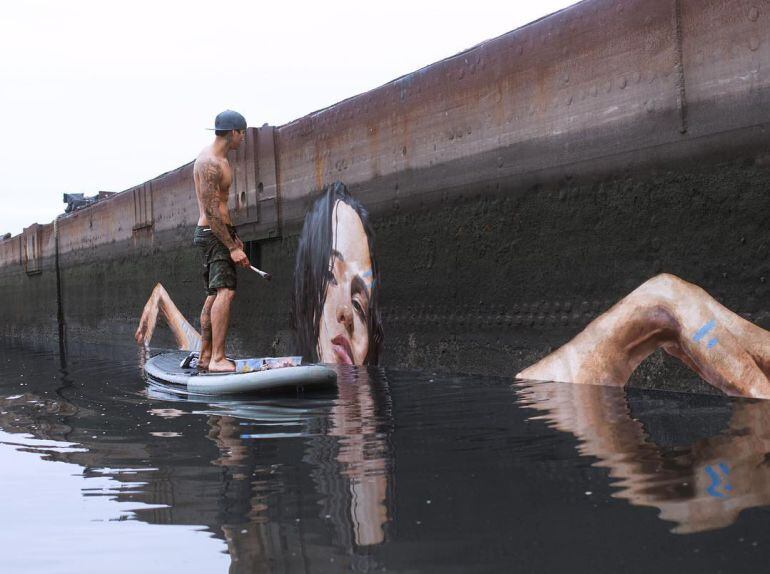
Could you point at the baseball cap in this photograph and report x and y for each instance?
(229, 120)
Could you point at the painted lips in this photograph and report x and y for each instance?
(342, 350)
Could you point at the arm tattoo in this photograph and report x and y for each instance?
(211, 179)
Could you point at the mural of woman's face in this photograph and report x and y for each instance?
(343, 335)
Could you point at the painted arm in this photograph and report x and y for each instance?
(187, 338)
(665, 312)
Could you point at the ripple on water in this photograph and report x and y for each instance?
(389, 471)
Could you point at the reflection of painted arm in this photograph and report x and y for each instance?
(702, 487)
(665, 312)
(187, 338)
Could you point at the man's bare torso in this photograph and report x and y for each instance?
(213, 177)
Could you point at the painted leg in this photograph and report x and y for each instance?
(205, 356)
(186, 337)
(220, 319)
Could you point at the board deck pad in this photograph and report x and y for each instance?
(252, 374)
(263, 364)
(190, 361)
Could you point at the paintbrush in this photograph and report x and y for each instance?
(264, 274)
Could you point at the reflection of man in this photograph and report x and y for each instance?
(215, 236)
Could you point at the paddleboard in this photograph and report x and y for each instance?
(178, 368)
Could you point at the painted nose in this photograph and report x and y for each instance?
(345, 316)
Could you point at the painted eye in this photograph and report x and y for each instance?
(359, 310)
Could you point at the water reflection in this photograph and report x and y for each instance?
(306, 481)
(698, 483)
(359, 423)
(290, 480)
(347, 446)
(347, 450)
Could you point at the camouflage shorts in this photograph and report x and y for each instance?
(218, 267)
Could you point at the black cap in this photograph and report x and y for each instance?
(229, 120)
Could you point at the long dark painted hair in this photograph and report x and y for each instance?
(311, 274)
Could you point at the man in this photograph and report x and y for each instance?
(220, 247)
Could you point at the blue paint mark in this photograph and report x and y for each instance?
(716, 480)
(703, 331)
(366, 273)
(712, 342)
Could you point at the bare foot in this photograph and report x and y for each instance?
(203, 362)
(223, 366)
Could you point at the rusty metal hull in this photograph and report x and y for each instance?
(517, 189)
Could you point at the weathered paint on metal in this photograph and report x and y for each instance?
(529, 182)
(601, 77)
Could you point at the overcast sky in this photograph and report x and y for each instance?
(99, 95)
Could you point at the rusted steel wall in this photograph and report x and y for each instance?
(601, 78)
(725, 49)
(529, 182)
(580, 73)
(595, 80)
(11, 251)
(28, 279)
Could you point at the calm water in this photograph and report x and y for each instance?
(391, 472)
